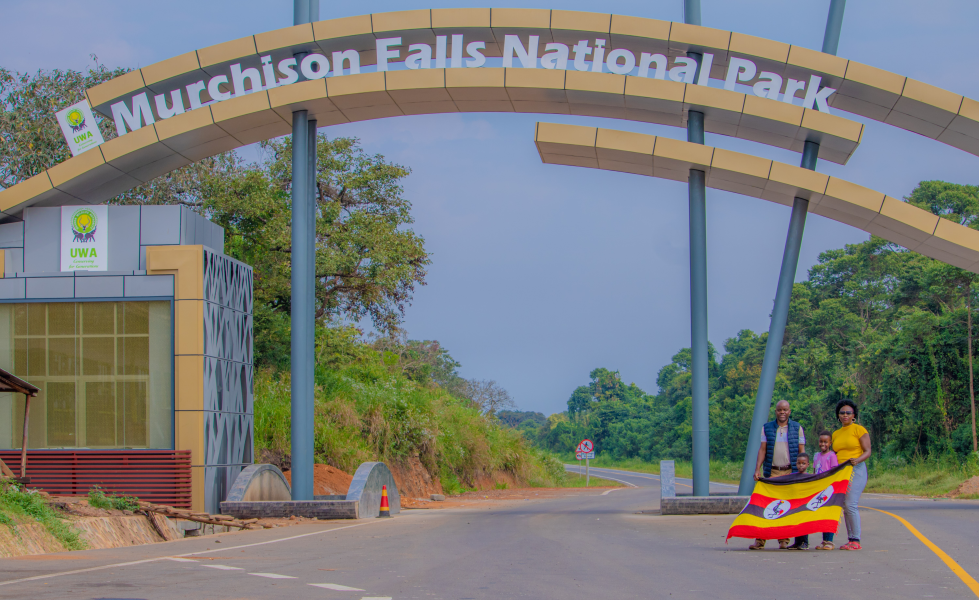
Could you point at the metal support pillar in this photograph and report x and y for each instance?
(691, 12)
(786, 279)
(697, 190)
(302, 316)
(776, 331)
(834, 25)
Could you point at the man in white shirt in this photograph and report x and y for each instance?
(782, 440)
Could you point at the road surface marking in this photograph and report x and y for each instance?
(223, 568)
(967, 579)
(376, 598)
(179, 559)
(336, 586)
(642, 476)
(620, 481)
(607, 492)
(272, 575)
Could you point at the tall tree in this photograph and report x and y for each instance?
(958, 203)
(368, 260)
(30, 138)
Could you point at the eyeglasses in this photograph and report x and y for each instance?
(846, 412)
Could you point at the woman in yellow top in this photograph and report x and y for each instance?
(851, 442)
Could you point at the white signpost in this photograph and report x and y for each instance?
(78, 124)
(585, 451)
(84, 238)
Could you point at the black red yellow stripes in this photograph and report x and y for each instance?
(794, 505)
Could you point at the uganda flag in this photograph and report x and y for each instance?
(793, 505)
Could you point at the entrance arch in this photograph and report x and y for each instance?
(874, 212)
(166, 144)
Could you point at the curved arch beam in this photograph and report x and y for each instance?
(831, 197)
(863, 90)
(125, 162)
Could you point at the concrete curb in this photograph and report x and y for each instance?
(703, 505)
(261, 491)
(672, 504)
(314, 509)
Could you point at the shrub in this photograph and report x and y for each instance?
(98, 499)
(27, 503)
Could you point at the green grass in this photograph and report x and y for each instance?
(366, 411)
(20, 505)
(921, 477)
(720, 471)
(98, 499)
(572, 480)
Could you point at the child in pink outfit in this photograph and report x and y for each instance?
(824, 460)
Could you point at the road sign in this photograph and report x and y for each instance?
(584, 455)
(586, 446)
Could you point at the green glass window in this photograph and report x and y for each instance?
(104, 370)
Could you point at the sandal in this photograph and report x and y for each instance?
(758, 545)
(825, 546)
(853, 545)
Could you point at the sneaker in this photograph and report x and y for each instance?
(758, 545)
(799, 546)
(853, 545)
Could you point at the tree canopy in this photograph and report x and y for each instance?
(368, 260)
(874, 322)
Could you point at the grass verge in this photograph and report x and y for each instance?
(17, 505)
(720, 471)
(920, 477)
(573, 480)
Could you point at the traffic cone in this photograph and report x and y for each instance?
(385, 509)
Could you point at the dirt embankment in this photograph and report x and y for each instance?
(412, 478)
(970, 488)
(327, 480)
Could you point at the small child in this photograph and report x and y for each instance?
(802, 466)
(825, 460)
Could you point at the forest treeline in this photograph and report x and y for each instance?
(874, 322)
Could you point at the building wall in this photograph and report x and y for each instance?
(213, 360)
(164, 252)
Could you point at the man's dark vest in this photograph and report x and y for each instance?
(771, 429)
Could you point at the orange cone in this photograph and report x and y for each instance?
(385, 509)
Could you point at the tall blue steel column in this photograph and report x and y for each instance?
(697, 189)
(302, 306)
(786, 279)
(834, 25)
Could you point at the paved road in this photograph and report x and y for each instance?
(632, 478)
(591, 545)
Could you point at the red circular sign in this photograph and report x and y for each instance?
(586, 446)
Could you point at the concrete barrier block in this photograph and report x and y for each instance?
(438, 498)
(703, 505)
(260, 483)
(365, 489)
(667, 479)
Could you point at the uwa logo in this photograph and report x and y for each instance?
(83, 225)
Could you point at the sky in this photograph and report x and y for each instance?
(541, 273)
